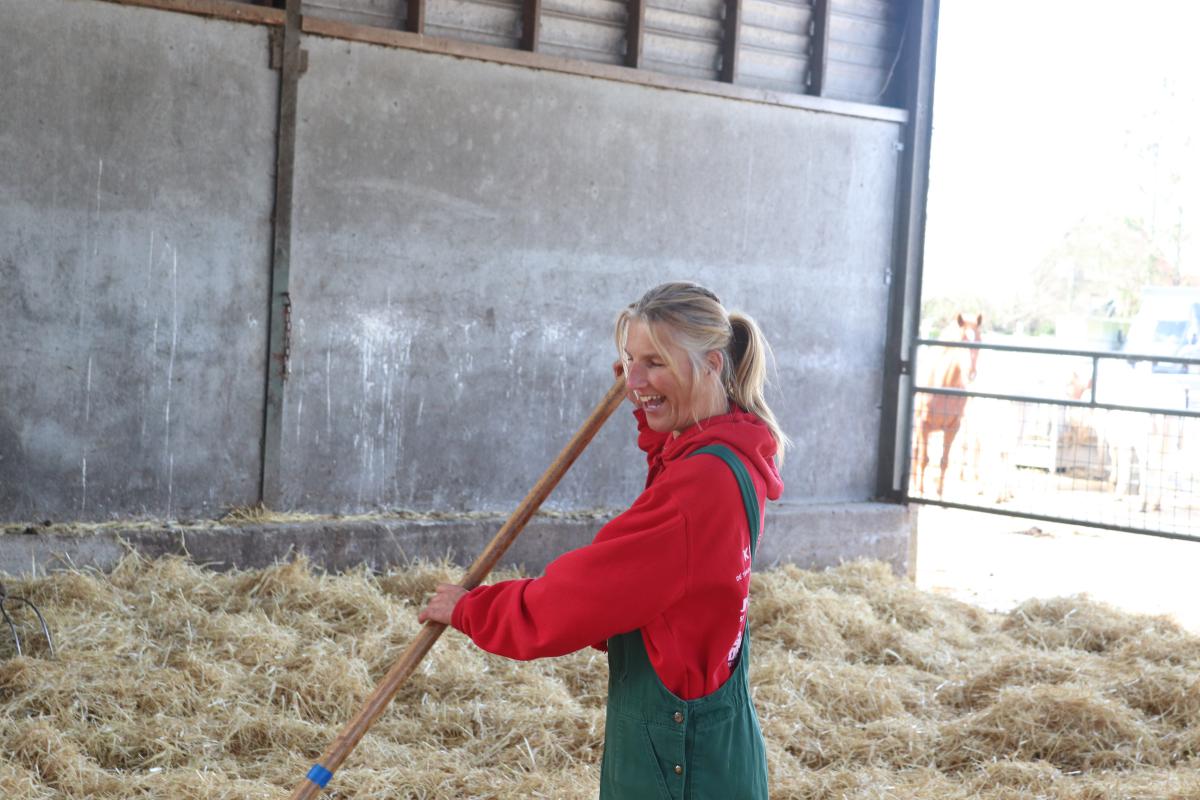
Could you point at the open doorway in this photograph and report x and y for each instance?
(1064, 190)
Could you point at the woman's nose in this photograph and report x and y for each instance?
(635, 376)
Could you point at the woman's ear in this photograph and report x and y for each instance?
(715, 359)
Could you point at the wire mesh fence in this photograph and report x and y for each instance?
(1099, 439)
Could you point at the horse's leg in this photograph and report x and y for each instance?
(1141, 449)
(1114, 443)
(1111, 450)
(972, 449)
(976, 456)
(1122, 468)
(969, 444)
(1121, 437)
(921, 455)
(1154, 465)
(948, 434)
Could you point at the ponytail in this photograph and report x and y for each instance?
(746, 378)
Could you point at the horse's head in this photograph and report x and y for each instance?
(971, 331)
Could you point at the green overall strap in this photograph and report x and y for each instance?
(745, 484)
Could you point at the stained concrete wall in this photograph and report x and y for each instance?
(465, 234)
(468, 231)
(135, 195)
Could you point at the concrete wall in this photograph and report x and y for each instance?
(468, 231)
(135, 195)
(465, 234)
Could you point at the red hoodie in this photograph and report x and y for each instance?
(676, 565)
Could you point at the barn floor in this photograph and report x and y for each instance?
(997, 562)
(176, 682)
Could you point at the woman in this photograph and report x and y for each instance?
(663, 587)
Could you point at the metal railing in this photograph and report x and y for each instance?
(1122, 454)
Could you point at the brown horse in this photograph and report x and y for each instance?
(955, 366)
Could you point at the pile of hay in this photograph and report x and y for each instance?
(176, 682)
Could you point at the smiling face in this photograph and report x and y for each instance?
(673, 399)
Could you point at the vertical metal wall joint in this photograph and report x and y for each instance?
(818, 50)
(292, 62)
(277, 37)
(908, 251)
(531, 23)
(414, 16)
(731, 45)
(635, 33)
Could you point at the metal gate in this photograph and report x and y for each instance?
(1094, 438)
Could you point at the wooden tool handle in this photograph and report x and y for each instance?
(345, 742)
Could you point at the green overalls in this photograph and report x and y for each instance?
(659, 747)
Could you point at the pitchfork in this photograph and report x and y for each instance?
(5, 599)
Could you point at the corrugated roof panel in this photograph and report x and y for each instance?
(377, 13)
(864, 38)
(873, 9)
(853, 82)
(771, 69)
(776, 45)
(673, 68)
(712, 9)
(495, 22)
(681, 37)
(778, 41)
(868, 32)
(573, 36)
(778, 15)
(600, 10)
(863, 56)
(678, 56)
(674, 23)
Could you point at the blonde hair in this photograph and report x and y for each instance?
(693, 318)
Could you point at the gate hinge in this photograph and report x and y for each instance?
(905, 367)
(277, 52)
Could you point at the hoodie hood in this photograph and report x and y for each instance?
(744, 433)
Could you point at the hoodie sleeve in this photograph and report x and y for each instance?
(632, 572)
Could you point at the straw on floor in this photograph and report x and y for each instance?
(176, 682)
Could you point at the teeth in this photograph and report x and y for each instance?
(651, 398)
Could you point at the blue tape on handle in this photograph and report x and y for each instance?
(319, 775)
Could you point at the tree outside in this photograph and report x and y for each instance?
(1064, 180)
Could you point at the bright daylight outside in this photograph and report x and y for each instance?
(1064, 207)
